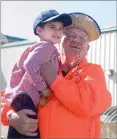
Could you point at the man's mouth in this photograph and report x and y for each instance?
(76, 47)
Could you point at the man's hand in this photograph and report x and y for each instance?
(48, 70)
(22, 123)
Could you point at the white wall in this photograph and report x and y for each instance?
(103, 52)
(9, 55)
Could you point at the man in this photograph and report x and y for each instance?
(75, 104)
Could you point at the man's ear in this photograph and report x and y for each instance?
(38, 30)
(88, 46)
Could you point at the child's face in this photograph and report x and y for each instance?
(52, 32)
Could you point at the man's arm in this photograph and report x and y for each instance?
(20, 121)
(6, 110)
(85, 95)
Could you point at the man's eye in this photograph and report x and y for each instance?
(72, 36)
(82, 39)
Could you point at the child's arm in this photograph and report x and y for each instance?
(35, 59)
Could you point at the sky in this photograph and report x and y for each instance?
(17, 17)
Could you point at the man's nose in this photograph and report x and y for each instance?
(74, 43)
(76, 39)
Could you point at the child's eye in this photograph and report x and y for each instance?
(61, 29)
(52, 27)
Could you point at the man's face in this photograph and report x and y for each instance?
(74, 45)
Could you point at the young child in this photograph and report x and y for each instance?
(26, 83)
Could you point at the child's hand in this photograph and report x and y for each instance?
(42, 102)
(45, 92)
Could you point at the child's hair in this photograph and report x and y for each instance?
(42, 25)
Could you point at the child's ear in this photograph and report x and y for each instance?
(38, 30)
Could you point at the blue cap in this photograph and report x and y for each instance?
(52, 15)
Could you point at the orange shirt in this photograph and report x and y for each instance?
(74, 107)
(4, 109)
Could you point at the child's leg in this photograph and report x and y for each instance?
(23, 101)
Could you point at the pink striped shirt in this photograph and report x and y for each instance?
(25, 76)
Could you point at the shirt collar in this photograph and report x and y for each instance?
(74, 69)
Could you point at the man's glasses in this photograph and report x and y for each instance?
(73, 37)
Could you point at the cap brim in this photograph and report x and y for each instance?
(64, 18)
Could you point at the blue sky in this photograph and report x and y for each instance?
(17, 17)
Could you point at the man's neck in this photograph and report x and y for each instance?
(65, 68)
(64, 73)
